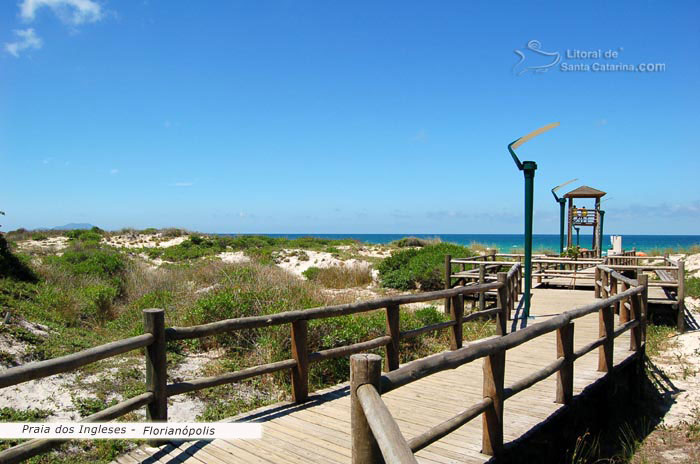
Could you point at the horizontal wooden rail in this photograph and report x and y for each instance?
(427, 328)
(589, 347)
(70, 362)
(530, 380)
(450, 425)
(231, 377)
(421, 368)
(214, 328)
(347, 350)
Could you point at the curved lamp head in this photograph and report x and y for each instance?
(554, 190)
(515, 144)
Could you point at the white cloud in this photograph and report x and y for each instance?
(183, 184)
(114, 171)
(72, 12)
(26, 39)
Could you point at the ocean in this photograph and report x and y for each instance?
(507, 242)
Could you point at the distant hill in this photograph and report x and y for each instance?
(74, 225)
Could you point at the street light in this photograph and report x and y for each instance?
(562, 208)
(528, 168)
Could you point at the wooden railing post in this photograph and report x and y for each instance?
(364, 369)
(519, 289)
(300, 353)
(482, 279)
(448, 280)
(604, 287)
(539, 273)
(504, 294)
(680, 321)
(156, 366)
(624, 310)
(613, 292)
(457, 313)
(392, 329)
(492, 427)
(565, 376)
(606, 319)
(596, 285)
(636, 303)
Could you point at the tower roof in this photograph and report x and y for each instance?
(585, 192)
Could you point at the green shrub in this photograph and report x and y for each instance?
(419, 268)
(410, 242)
(311, 273)
(90, 261)
(38, 236)
(23, 415)
(692, 287)
(99, 300)
(84, 235)
(13, 266)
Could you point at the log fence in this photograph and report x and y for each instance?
(375, 434)
(154, 342)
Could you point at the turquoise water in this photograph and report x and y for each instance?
(506, 242)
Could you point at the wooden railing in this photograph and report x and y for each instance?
(671, 275)
(156, 336)
(375, 433)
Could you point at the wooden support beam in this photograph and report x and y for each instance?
(300, 353)
(457, 314)
(448, 280)
(680, 319)
(503, 296)
(364, 369)
(565, 376)
(392, 330)
(606, 319)
(492, 435)
(156, 368)
(482, 279)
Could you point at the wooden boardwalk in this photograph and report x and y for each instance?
(319, 431)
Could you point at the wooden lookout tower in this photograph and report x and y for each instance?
(581, 216)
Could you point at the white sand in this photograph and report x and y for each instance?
(143, 241)
(681, 363)
(233, 257)
(51, 244)
(298, 261)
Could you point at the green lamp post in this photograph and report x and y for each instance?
(528, 168)
(562, 213)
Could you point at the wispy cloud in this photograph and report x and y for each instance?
(183, 184)
(114, 171)
(26, 40)
(420, 136)
(70, 12)
(73, 12)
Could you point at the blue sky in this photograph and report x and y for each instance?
(328, 116)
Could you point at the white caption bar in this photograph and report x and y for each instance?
(118, 430)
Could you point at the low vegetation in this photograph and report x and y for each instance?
(260, 247)
(415, 242)
(340, 276)
(419, 268)
(692, 287)
(92, 293)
